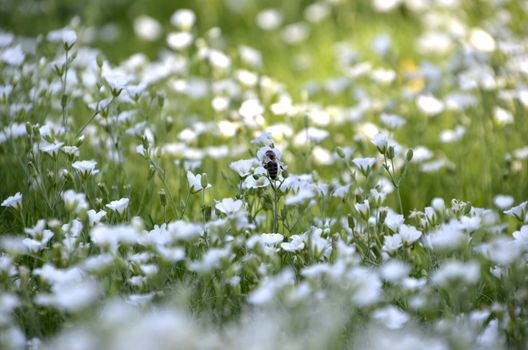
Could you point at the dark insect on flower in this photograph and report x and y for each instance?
(271, 164)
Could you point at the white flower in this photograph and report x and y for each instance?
(250, 182)
(195, 182)
(75, 202)
(438, 204)
(341, 191)
(447, 236)
(380, 141)
(363, 208)
(229, 206)
(452, 271)
(271, 239)
(51, 148)
(86, 167)
(521, 235)
(430, 105)
(13, 56)
(183, 19)
(180, 40)
(69, 37)
(392, 121)
(14, 201)
(95, 217)
(269, 19)
(364, 164)
(392, 243)
(244, 166)
(251, 108)
(212, 259)
(218, 59)
(113, 236)
(261, 153)
(296, 243)
(391, 317)
(409, 234)
(503, 201)
(147, 28)
(386, 5)
(393, 220)
(482, 40)
(118, 206)
(185, 231)
(314, 135)
(394, 271)
(517, 211)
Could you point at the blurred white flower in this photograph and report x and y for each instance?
(409, 234)
(381, 141)
(296, 243)
(147, 28)
(430, 105)
(219, 60)
(385, 5)
(95, 217)
(392, 121)
(502, 201)
(185, 231)
(14, 201)
(86, 167)
(456, 271)
(183, 19)
(212, 259)
(295, 33)
(392, 243)
(394, 271)
(251, 108)
(316, 12)
(250, 56)
(51, 148)
(393, 220)
(13, 56)
(244, 166)
(229, 206)
(74, 201)
(391, 317)
(438, 204)
(179, 40)
(69, 37)
(447, 236)
(119, 205)
(518, 211)
(502, 116)
(521, 235)
(195, 182)
(113, 236)
(269, 19)
(482, 40)
(364, 164)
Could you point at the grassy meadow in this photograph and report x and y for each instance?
(263, 174)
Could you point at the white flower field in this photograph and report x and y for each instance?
(237, 174)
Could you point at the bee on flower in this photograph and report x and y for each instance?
(270, 158)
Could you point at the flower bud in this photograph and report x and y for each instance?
(340, 152)
(204, 182)
(29, 128)
(169, 122)
(409, 155)
(390, 152)
(99, 60)
(351, 222)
